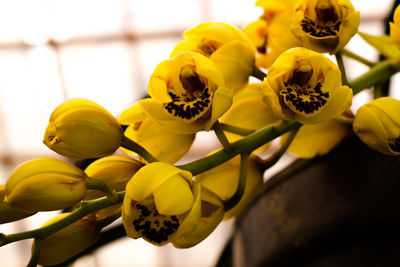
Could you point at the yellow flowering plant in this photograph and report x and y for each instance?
(298, 101)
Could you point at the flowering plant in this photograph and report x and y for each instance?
(302, 98)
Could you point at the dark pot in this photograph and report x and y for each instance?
(343, 209)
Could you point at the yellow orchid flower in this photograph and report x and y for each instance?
(164, 145)
(231, 51)
(318, 139)
(377, 124)
(69, 241)
(8, 213)
(80, 128)
(304, 85)
(188, 94)
(223, 181)
(395, 27)
(156, 199)
(163, 205)
(45, 184)
(325, 25)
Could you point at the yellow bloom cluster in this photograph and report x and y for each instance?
(203, 86)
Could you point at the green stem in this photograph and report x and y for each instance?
(259, 74)
(221, 136)
(358, 58)
(340, 62)
(236, 130)
(232, 201)
(37, 243)
(96, 184)
(43, 232)
(379, 73)
(247, 144)
(269, 162)
(135, 147)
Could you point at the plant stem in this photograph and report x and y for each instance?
(380, 72)
(221, 136)
(233, 200)
(259, 74)
(358, 58)
(236, 130)
(135, 147)
(269, 162)
(43, 232)
(96, 184)
(37, 243)
(342, 68)
(247, 144)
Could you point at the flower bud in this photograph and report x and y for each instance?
(223, 181)
(306, 86)
(69, 241)
(8, 213)
(231, 51)
(188, 94)
(325, 25)
(377, 124)
(79, 129)
(45, 184)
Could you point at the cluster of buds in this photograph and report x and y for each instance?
(203, 86)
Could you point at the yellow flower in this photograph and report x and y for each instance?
(162, 205)
(377, 124)
(164, 145)
(79, 128)
(318, 139)
(231, 51)
(395, 27)
(188, 94)
(273, 8)
(45, 184)
(325, 25)
(69, 241)
(156, 198)
(304, 85)
(8, 213)
(223, 181)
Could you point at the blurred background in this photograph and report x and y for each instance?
(106, 50)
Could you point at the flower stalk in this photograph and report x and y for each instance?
(221, 136)
(135, 147)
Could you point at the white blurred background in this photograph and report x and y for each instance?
(105, 50)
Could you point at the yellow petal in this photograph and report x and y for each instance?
(221, 103)
(174, 196)
(131, 115)
(148, 179)
(317, 139)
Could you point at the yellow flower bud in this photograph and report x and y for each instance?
(395, 27)
(377, 124)
(304, 85)
(69, 241)
(188, 94)
(8, 213)
(231, 51)
(164, 145)
(156, 199)
(45, 184)
(114, 171)
(79, 129)
(325, 25)
(223, 181)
